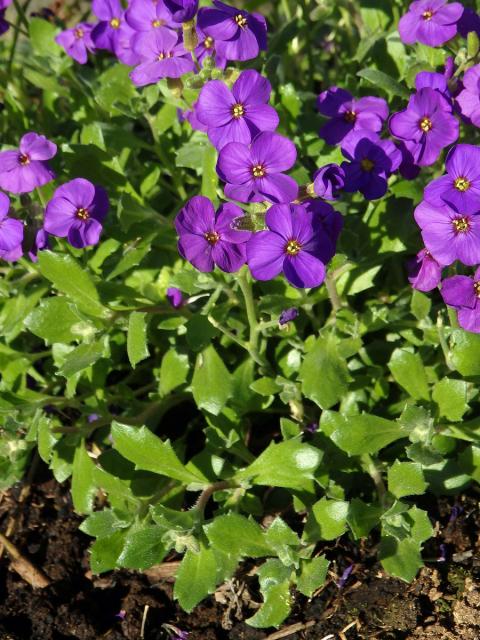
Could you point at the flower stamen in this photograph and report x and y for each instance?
(258, 171)
(238, 110)
(82, 214)
(367, 164)
(427, 15)
(476, 286)
(462, 184)
(23, 159)
(241, 21)
(293, 248)
(461, 225)
(208, 42)
(78, 33)
(425, 125)
(115, 23)
(212, 237)
(158, 23)
(350, 116)
(163, 55)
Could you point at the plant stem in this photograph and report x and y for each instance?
(333, 293)
(250, 306)
(376, 476)
(208, 492)
(443, 342)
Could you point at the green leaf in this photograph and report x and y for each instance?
(69, 278)
(275, 609)
(42, 37)
(104, 552)
(137, 347)
(385, 82)
(83, 356)
(173, 371)
(150, 453)
(362, 517)
(211, 383)
(103, 523)
(401, 559)
(196, 578)
(142, 547)
(57, 320)
(84, 488)
(324, 374)
(210, 176)
(327, 520)
(406, 479)
(265, 387)
(284, 542)
(465, 352)
(312, 575)
(451, 398)
(237, 536)
(289, 464)
(407, 369)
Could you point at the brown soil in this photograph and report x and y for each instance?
(442, 604)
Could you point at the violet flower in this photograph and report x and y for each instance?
(239, 114)
(123, 48)
(4, 25)
(328, 181)
(22, 170)
(430, 22)
(40, 243)
(425, 273)
(162, 55)
(76, 212)
(207, 238)
(295, 243)
(13, 255)
(468, 100)
(348, 114)
(431, 80)
(77, 42)
(182, 10)
(426, 126)
(460, 187)
(206, 49)
(238, 35)
(144, 15)
(345, 576)
(470, 21)
(175, 297)
(288, 315)
(111, 20)
(449, 235)
(371, 161)
(254, 174)
(463, 293)
(332, 224)
(11, 230)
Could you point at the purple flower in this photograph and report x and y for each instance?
(431, 80)
(328, 181)
(332, 223)
(123, 48)
(288, 315)
(4, 25)
(182, 10)
(76, 212)
(239, 114)
(175, 297)
(238, 35)
(348, 114)
(426, 126)
(371, 162)
(162, 55)
(206, 48)
(470, 21)
(468, 99)
(13, 255)
(407, 169)
(146, 15)
(207, 238)
(191, 117)
(23, 170)
(295, 243)
(111, 20)
(431, 22)
(41, 242)
(11, 230)
(77, 42)
(463, 293)
(460, 188)
(449, 235)
(345, 576)
(254, 173)
(425, 273)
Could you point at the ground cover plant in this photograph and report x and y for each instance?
(240, 289)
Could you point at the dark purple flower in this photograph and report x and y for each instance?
(460, 188)
(4, 25)
(288, 315)
(443, 553)
(449, 235)
(76, 212)
(238, 35)
(456, 511)
(11, 230)
(22, 170)
(146, 15)
(254, 173)
(162, 55)
(468, 100)
(332, 223)
(77, 42)
(425, 273)
(426, 126)
(348, 114)
(175, 297)
(371, 162)
(463, 293)
(121, 614)
(470, 21)
(328, 181)
(40, 243)
(111, 20)
(206, 48)
(345, 576)
(295, 243)
(207, 238)
(431, 22)
(239, 114)
(407, 169)
(182, 10)
(92, 417)
(312, 427)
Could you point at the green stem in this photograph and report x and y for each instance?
(376, 476)
(443, 342)
(333, 293)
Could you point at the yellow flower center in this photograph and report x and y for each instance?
(158, 23)
(293, 247)
(462, 184)
(78, 33)
(211, 237)
(24, 159)
(208, 42)
(350, 116)
(476, 286)
(425, 125)
(367, 164)
(82, 214)
(165, 54)
(115, 23)
(241, 20)
(427, 15)
(461, 225)
(238, 110)
(258, 171)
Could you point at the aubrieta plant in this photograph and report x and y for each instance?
(240, 279)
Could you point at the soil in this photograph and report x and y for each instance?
(443, 603)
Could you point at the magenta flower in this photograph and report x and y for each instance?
(11, 230)
(77, 42)
(431, 22)
(348, 114)
(295, 243)
(468, 99)
(111, 20)
(371, 161)
(76, 212)
(424, 272)
(162, 55)
(328, 181)
(463, 293)
(449, 235)
(146, 15)
(182, 10)
(239, 114)
(23, 170)
(207, 238)
(238, 35)
(460, 188)
(254, 174)
(426, 126)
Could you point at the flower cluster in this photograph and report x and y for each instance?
(76, 210)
